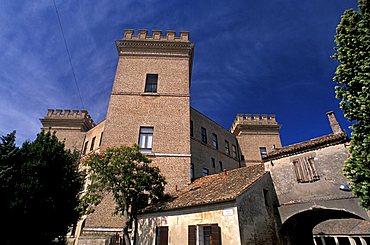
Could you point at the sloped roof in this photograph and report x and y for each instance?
(319, 142)
(215, 188)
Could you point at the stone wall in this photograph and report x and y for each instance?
(258, 216)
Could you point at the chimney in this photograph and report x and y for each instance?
(335, 127)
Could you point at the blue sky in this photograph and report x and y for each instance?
(250, 57)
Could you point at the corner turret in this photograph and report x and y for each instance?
(70, 126)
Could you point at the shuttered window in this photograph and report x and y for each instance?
(192, 235)
(161, 235)
(305, 169)
(208, 235)
(215, 235)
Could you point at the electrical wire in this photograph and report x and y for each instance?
(69, 55)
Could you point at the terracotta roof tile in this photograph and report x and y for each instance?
(215, 188)
(323, 141)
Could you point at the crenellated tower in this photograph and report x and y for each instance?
(150, 100)
(70, 126)
(257, 135)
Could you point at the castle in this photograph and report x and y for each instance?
(150, 106)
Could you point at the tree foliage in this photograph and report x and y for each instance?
(41, 183)
(125, 173)
(353, 78)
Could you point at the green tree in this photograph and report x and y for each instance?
(353, 78)
(125, 173)
(43, 190)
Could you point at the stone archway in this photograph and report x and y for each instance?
(297, 229)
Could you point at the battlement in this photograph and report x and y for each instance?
(68, 118)
(142, 35)
(254, 119)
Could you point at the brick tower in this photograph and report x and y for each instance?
(257, 135)
(70, 126)
(150, 100)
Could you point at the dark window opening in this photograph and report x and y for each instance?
(204, 135)
(191, 129)
(151, 83)
(192, 171)
(101, 137)
(213, 162)
(92, 144)
(221, 166)
(85, 148)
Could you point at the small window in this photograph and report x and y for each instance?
(305, 170)
(85, 148)
(221, 166)
(263, 152)
(214, 141)
(146, 139)
(192, 171)
(213, 162)
(191, 129)
(266, 197)
(161, 237)
(92, 144)
(204, 135)
(234, 151)
(151, 83)
(204, 234)
(205, 172)
(101, 138)
(227, 147)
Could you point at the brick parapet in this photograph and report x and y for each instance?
(157, 35)
(254, 119)
(68, 118)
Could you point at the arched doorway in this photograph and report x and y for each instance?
(297, 229)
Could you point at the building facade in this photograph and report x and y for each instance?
(150, 106)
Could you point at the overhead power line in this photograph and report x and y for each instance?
(69, 55)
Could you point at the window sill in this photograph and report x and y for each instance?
(149, 94)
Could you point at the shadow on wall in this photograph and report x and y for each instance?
(297, 229)
(146, 232)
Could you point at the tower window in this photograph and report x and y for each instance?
(213, 162)
(221, 166)
(151, 83)
(263, 152)
(204, 135)
(92, 144)
(146, 139)
(214, 141)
